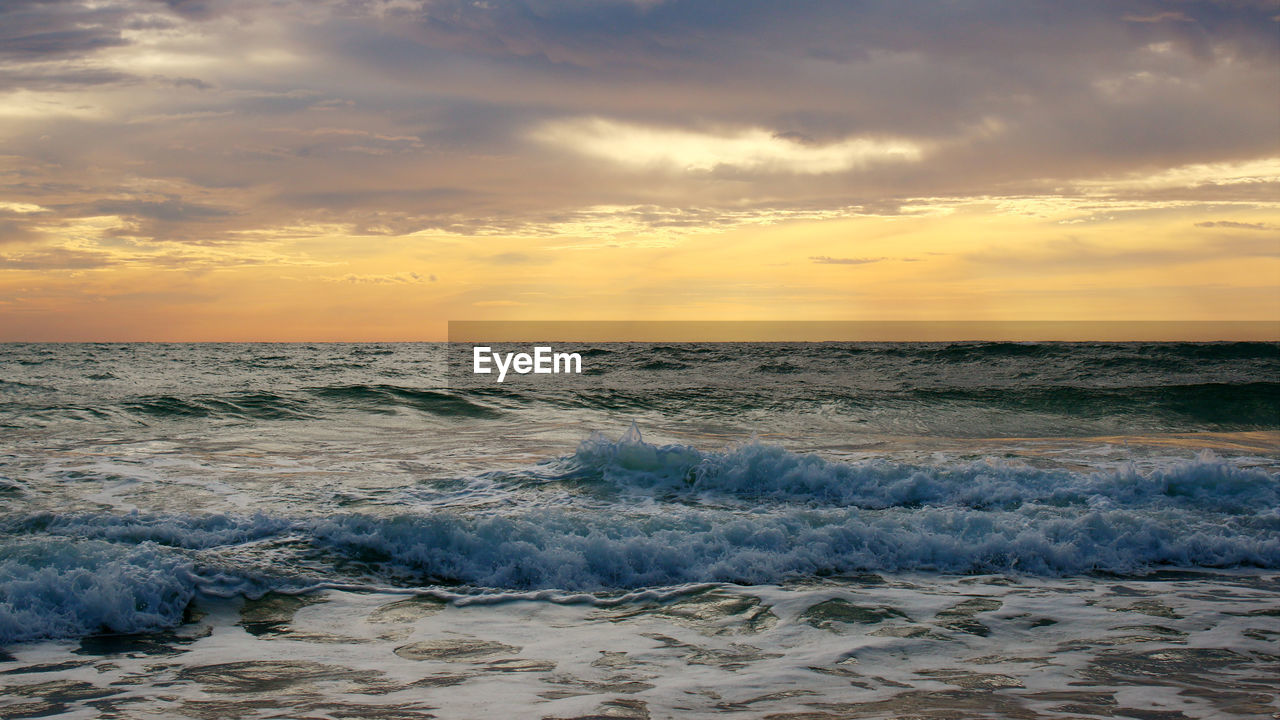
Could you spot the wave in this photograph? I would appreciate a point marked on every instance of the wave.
(254, 406)
(55, 588)
(385, 398)
(1152, 352)
(14, 386)
(758, 472)
(943, 389)
(779, 368)
(558, 549)
(640, 517)
(753, 514)
(107, 573)
(193, 532)
(1250, 405)
(662, 365)
(305, 404)
(1061, 410)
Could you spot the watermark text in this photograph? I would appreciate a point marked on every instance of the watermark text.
(543, 361)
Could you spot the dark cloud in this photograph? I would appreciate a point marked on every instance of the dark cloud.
(712, 35)
(64, 42)
(59, 78)
(424, 200)
(1061, 90)
(392, 118)
(16, 231)
(170, 210)
(190, 82)
(45, 30)
(197, 9)
(56, 44)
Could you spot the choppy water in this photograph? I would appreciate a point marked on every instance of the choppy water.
(843, 530)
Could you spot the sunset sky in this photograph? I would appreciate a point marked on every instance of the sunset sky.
(368, 169)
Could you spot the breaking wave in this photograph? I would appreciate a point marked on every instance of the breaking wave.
(760, 472)
(754, 513)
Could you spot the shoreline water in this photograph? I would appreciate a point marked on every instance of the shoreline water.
(873, 645)
(265, 528)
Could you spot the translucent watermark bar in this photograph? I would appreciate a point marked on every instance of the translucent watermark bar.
(692, 331)
(639, 355)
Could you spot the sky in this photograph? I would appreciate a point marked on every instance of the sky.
(314, 170)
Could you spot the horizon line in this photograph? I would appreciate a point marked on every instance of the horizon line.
(783, 331)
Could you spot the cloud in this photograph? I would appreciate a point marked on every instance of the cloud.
(55, 259)
(826, 260)
(62, 78)
(198, 9)
(36, 30)
(752, 149)
(1257, 171)
(20, 208)
(517, 258)
(1234, 225)
(170, 210)
(1075, 254)
(13, 231)
(419, 199)
(619, 122)
(407, 278)
(190, 82)
(1166, 16)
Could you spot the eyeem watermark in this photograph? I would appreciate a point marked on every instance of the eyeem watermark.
(543, 361)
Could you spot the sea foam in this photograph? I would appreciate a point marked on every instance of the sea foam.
(57, 588)
(754, 513)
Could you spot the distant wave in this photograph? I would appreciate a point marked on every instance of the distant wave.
(1236, 406)
(938, 389)
(661, 365)
(258, 406)
(1152, 353)
(779, 368)
(307, 403)
(388, 397)
(1169, 408)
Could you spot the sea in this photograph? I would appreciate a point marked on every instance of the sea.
(805, 531)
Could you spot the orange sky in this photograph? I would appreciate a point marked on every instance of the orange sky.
(377, 170)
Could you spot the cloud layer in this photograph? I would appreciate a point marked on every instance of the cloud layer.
(184, 134)
(454, 114)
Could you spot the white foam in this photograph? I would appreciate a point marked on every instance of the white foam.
(56, 588)
(708, 656)
(752, 514)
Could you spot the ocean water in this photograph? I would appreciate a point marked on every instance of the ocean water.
(808, 531)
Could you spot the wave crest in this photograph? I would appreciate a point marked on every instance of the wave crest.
(60, 588)
(759, 472)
